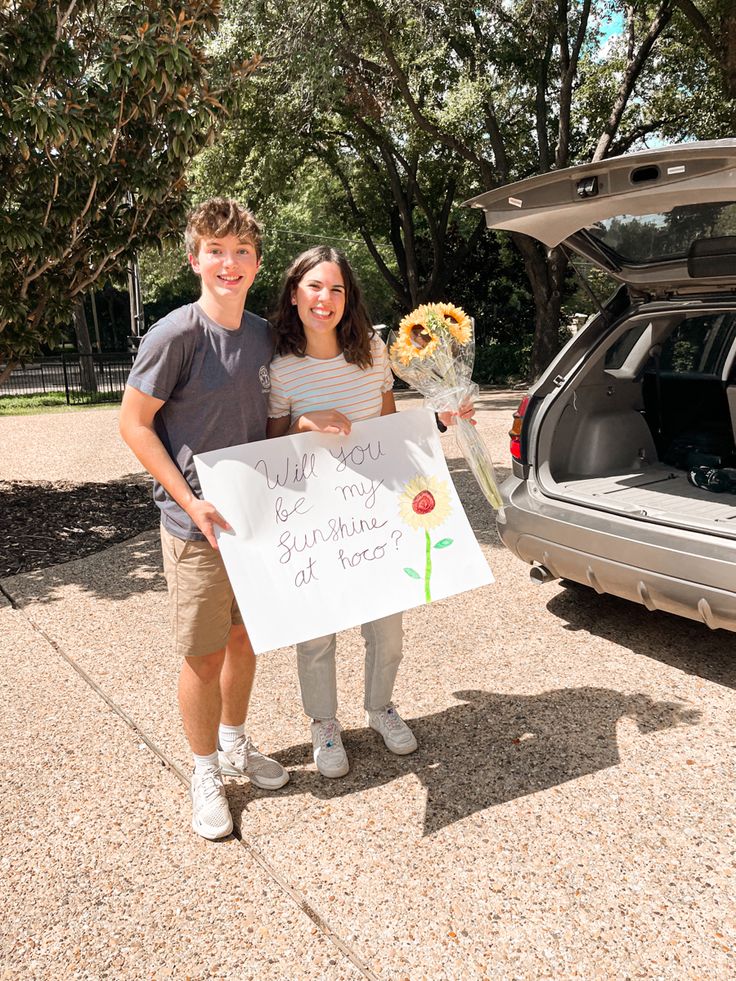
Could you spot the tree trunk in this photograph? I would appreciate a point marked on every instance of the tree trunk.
(730, 58)
(96, 322)
(7, 371)
(546, 330)
(109, 295)
(546, 273)
(86, 362)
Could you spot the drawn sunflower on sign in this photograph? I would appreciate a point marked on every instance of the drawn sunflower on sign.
(424, 504)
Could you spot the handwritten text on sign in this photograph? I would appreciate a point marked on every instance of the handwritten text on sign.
(330, 532)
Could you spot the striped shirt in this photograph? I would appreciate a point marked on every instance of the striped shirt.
(306, 384)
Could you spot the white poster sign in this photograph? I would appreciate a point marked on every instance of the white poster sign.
(329, 532)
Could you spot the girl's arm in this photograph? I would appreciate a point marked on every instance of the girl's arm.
(319, 421)
(466, 411)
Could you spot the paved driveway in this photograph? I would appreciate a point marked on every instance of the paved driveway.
(569, 813)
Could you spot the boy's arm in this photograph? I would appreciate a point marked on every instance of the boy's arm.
(278, 426)
(136, 427)
(388, 404)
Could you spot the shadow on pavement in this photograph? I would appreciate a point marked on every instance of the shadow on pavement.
(480, 514)
(491, 749)
(685, 644)
(136, 569)
(504, 403)
(45, 523)
(490, 400)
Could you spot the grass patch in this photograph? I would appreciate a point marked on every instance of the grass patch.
(21, 405)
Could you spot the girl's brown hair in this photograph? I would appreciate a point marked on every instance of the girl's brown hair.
(355, 329)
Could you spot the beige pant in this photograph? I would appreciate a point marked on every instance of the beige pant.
(203, 607)
(316, 666)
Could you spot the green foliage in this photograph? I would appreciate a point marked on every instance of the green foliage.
(22, 405)
(101, 109)
(689, 96)
(295, 214)
(577, 299)
(502, 362)
(705, 32)
(413, 108)
(317, 101)
(374, 121)
(167, 280)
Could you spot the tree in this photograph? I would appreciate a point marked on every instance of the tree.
(87, 374)
(414, 107)
(296, 214)
(102, 106)
(715, 26)
(396, 188)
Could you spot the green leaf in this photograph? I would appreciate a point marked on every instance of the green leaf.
(412, 573)
(443, 543)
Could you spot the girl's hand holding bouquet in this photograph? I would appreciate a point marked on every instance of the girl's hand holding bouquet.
(433, 351)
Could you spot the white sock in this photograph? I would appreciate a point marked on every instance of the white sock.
(202, 763)
(229, 735)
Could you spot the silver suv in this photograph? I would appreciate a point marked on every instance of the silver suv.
(624, 461)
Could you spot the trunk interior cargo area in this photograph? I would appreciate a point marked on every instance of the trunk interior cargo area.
(647, 426)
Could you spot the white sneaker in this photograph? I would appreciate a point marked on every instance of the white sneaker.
(329, 752)
(245, 760)
(211, 816)
(396, 733)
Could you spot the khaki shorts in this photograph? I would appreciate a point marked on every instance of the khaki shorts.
(203, 607)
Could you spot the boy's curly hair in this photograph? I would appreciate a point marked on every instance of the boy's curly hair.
(355, 329)
(219, 217)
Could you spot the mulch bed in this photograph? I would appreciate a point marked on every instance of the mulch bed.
(43, 524)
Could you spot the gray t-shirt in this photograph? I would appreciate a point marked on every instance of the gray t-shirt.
(215, 384)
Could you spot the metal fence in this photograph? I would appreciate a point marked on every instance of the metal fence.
(84, 379)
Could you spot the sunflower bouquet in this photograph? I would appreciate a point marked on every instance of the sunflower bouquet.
(433, 351)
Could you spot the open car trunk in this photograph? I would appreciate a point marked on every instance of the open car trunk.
(651, 414)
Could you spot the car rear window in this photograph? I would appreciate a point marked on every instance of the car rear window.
(655, 238)
(619, 351)
(699, 345)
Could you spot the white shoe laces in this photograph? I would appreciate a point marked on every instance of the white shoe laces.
(243, 749)
(327, 733)
(391, 716)
(210, 785)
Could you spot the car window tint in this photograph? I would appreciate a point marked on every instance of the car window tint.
(658, 237)
(699, 345)
(619, 351)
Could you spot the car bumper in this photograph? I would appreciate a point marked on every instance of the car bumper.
(635, 560)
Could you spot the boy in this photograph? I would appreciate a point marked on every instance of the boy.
(200, 382)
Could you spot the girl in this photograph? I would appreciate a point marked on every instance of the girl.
(331, 369)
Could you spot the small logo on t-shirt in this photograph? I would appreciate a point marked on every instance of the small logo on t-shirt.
(264, 378)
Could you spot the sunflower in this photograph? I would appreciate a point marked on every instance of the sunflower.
(424, 502)
(415, 338)
(420, 331)
(456, 320)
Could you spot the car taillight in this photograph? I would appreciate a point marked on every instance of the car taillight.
(516, 428)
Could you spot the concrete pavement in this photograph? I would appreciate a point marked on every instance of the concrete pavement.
(569, 813)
